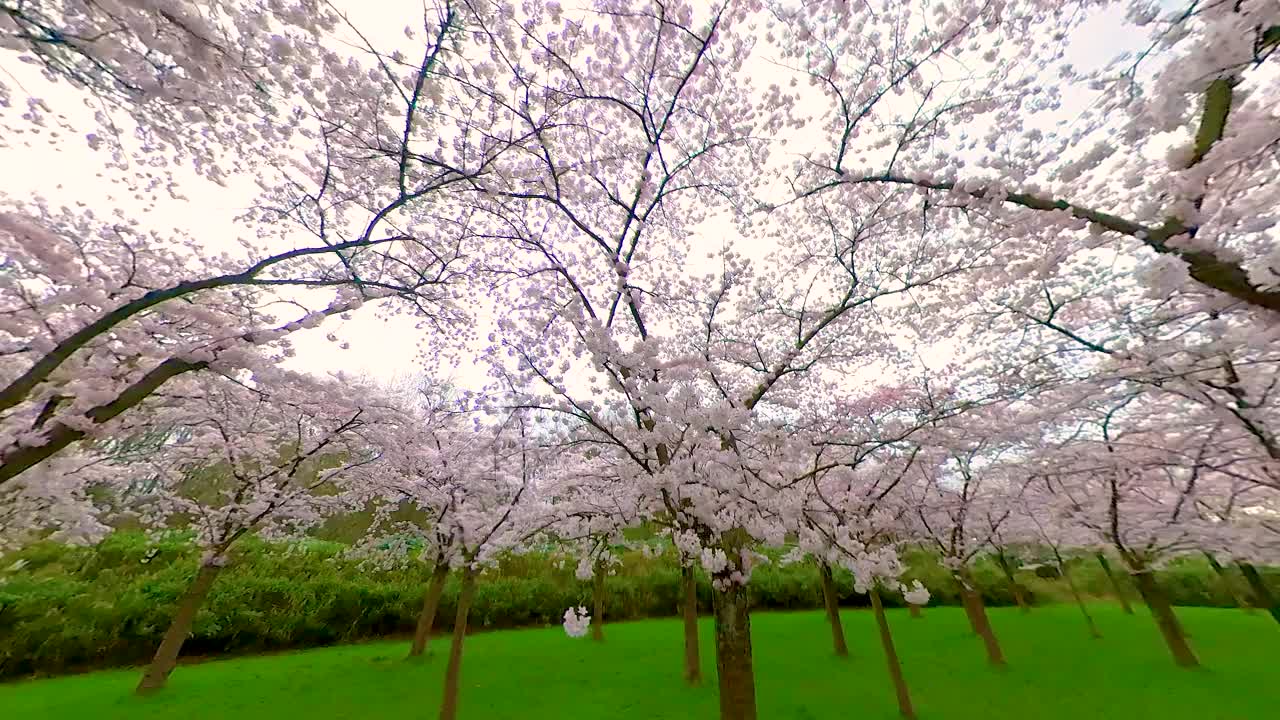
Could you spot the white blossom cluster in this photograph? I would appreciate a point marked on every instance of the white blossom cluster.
(576, 622)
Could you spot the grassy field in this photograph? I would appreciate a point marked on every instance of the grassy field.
(1055, 672)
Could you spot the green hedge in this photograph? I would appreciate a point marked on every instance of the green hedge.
(68, 609)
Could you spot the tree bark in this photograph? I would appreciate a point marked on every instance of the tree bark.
(966, 601)
(1262, 596)
(430, 603)
(995, 655)
(891, 658)
(1075, 593)
(166, 657)
(915, 611)
(971, 613)
(1166, 620)
(1115, 584)
(449, 704)
(733, 653)
(597, 601)
(832, 603)
(689, 609)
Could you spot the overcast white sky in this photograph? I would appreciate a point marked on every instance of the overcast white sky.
(65, 169)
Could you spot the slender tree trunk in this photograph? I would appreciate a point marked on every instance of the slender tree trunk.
(970, 612)
(915, 611)
(995, 655)
(1166, 620)
(1075, 593)
(1018, 596)
(966, 600)
(689, 609)
(430, 603)
(1262, 596)
(891, 657)
(166, 657)
(449, 705)
(733, 653)
(1115, 584)
(597, 602)
(832, 603)
(1240, 598)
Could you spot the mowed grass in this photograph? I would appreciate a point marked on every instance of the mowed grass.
(1055, 671)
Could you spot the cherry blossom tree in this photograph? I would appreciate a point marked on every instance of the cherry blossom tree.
(1160, 279)
(852, 519)
(689, 614)
(196, 79)
(1256, 537)
(53, 503)
(1136, 481)
(846, 501)
(670, 130)
(1098, 330)
(88, 296)
(492, 502)
(588, 527)
(955, 103)
(1043, 517)
(691, 366)
(272, 453)
(423, 475)
(704, 230)
(73, 366)
(1006, 532)
(962, 496)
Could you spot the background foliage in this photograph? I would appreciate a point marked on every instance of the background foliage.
(67, 609)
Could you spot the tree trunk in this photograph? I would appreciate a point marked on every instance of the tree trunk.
(995, 655)
(832, 603)
(966, 601)
(915, 611)
(689, 609)
(1018, 596)
(1166, 620)
(166, 657)
(1115, 584)
(1262, 596)
(1241, 599)
(733, 653)
(982, 623)
(891, 657)
(597, 601)
(427, 617)
(449, 705)
(1075, 593)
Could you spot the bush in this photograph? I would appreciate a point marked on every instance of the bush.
(68, 609)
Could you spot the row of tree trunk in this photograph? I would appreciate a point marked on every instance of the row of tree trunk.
(733, 627)
(1155, 598)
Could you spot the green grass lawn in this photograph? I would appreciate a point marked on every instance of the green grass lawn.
(1055, 671)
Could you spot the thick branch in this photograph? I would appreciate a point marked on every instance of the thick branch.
(21, 458)
(20, 388)
(59, 436)
(1204, 266)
